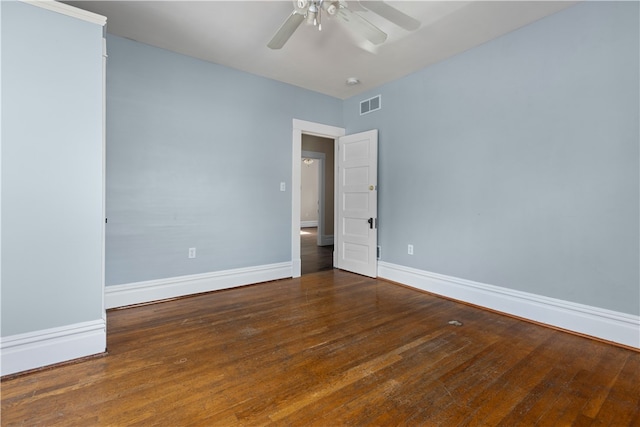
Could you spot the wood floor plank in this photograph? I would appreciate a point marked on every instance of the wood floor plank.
(372, 396)
(564, 385)
(623, 401)
(329, 349)
(604, 379)
(314, 258)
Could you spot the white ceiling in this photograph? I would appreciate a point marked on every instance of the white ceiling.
(236, 33)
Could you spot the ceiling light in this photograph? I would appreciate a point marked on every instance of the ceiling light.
(307, 161)
(352, 81)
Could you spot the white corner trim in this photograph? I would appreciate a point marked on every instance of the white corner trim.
(621, 328)
(304, 224)
(65, 9)
(319, 129)
(155, 290)
(296, 267)
(37, 349)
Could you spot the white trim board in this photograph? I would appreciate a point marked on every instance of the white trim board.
(156, 290)
(597, 322)
(68, 10)
(306, 224)
(46, 347)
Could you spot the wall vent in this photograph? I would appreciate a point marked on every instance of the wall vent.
(371, 104)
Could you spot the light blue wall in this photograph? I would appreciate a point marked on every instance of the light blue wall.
(195, 156)
(516, 163)
(51, 169)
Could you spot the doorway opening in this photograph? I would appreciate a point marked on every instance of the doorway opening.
(355, 197)
(329, 134)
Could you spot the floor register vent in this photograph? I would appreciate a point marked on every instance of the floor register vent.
(371, 104)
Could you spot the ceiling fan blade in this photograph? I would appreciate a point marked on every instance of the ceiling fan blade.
(361, 26)
(286, 30)
(392, 14)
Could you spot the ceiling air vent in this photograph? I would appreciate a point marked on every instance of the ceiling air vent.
(371, 104)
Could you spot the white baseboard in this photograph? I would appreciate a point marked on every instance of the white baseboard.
(326, 240)
(597, 322)
(154, 290)
(296, 268)
(37, 349)
(305, 224)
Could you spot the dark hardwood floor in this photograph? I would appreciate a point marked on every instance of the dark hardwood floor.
(314, 258)
(330, 349)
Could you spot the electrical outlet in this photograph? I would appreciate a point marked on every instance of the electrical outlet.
(192, 252)
(283, 186)
(410, 249)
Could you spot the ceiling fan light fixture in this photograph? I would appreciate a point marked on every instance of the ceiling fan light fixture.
(311, 17)
(311, 12)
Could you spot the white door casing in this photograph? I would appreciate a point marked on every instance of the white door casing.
(310, 128)
(357, 203)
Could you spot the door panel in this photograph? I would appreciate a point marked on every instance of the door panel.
(357, 203)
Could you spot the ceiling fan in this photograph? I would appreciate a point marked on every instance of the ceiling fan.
(311, 11)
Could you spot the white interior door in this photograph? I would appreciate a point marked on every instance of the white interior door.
(357, 211)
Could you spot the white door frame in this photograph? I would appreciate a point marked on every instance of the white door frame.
(308, 128)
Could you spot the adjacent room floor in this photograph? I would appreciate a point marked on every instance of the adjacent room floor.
(314, 258)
